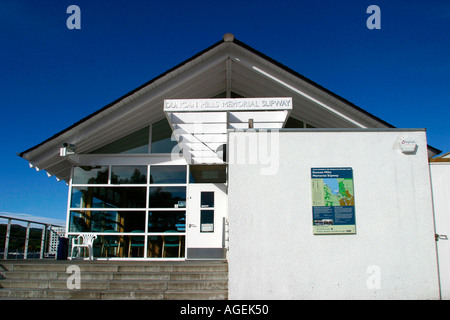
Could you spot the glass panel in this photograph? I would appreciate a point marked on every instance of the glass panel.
(112, 246)
(168, 174)
(136, 142)
(106, 221)
(294, 123)
(162, 221)
(171, 246)
(108, 197)
(90, 175)
(136, 245)
(207, 221)
(129, 174)
(207, 174)
(161, 137)
(207, 199)
(167, 197)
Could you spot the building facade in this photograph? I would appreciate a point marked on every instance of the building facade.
(232, 155)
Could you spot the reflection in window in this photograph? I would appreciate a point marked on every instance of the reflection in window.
(136, 142)
(167, 246)
(207, 199)
(90, 175)
(162, 221)
(168, 174)
(108, 197)
(207, 174)
(106, 221)
(129, 174)
(167, 197)
(161, 137)
(207, 221)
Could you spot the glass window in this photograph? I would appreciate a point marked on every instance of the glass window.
(207, 174)
(90, 175)
(207, 221)
(129, 174)
(136, 142)
(106, 221)
(108, 197)
(167, 197)
(170, 246)
(161, 137)
(168, 174)
(162, 221)
(294, 123)
(207, 199)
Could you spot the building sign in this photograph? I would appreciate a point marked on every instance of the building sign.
(234, 104)
(333, 201)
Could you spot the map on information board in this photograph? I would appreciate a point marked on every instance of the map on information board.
(333, 200)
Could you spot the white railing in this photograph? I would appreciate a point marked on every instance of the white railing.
(44, 248)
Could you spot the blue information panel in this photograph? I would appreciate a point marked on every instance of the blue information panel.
(333, 201)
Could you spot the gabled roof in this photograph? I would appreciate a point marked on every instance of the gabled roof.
(228, 65)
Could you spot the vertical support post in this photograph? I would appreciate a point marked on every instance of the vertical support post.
(8, 231)
(44, 233)
(27, 236)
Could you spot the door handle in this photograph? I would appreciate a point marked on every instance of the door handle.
(191, 225)
(441, 237)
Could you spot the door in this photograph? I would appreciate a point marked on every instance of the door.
(440, 182)
(206, 221)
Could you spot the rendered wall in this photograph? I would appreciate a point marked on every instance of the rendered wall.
(273, 253)
(440, 182)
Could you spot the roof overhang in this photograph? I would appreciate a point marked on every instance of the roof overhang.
(227, 66)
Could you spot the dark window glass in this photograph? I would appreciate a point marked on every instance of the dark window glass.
(108, 197)
(167, 197)
(207, 174)
(207, 199)
(106, 221)
(162, 221)
(207, 221)
(90, 175)
(167, 246)
(161, 137)
(294, 123)
(167, 174)
(129, 174)
(136, 142)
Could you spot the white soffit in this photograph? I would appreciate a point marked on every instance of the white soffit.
(200, 125)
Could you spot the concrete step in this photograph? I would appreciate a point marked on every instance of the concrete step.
(41, 279)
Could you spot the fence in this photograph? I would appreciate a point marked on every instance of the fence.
(20, 242)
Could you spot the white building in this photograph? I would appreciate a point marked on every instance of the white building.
(231, 155)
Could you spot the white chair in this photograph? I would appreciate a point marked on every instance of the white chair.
(87, 241)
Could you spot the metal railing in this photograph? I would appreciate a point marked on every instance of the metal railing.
(45, 249)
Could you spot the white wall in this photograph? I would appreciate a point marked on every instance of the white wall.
(273, 253)
(440, 181)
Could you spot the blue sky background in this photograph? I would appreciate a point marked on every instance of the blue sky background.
(51, 77)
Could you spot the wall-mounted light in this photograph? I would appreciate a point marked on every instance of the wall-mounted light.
(66, 150)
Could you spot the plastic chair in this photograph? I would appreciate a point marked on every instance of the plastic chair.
(171, 241)
(87, 242)
(135, 241)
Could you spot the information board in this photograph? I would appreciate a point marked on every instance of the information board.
(333, 201)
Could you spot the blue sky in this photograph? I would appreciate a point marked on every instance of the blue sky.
(51, 77)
